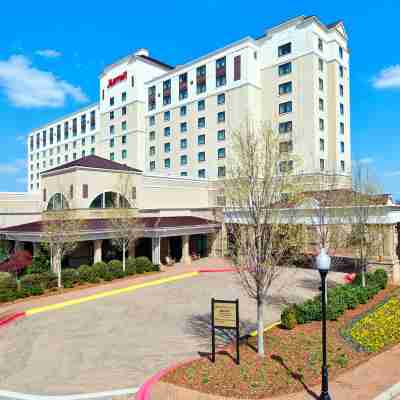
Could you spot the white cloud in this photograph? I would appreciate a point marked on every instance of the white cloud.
(29, 87)
(12, 168)
(366, 160)
(49, 53)
(388, 78)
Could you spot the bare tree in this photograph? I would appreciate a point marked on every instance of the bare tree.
(62, 237)
(258, 180)
(125, 225)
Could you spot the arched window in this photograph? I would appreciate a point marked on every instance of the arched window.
(57, 202)
(110, 200)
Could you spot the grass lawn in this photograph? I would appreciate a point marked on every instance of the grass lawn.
(293, 358)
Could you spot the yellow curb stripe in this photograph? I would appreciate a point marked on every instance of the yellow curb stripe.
(269, 327)
(96, 296)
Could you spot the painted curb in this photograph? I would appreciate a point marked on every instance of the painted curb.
(203, 270)
(390, 393)
(145, 390)
(11, 318)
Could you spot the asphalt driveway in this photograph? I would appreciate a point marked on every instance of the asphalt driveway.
(119, 341)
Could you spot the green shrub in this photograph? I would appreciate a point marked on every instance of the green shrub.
(143, 264)
(156, 268)
(8, 287)
(308, 311)
(69, 277)
(48, 280)
(101, 270)
(380, 278)
(362, 294)
(130, 266)
(40, 263)
(288, 318)
(32, 284)
(87, 273)
(115, 268)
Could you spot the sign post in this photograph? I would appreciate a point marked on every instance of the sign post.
(225, 315)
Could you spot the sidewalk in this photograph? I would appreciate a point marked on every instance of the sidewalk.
(88, 290)
(365, 382)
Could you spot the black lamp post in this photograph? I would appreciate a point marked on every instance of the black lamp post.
(323, 265)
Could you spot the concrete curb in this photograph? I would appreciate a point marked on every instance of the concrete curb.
(390, 393)
(204, 270)
(11, 318)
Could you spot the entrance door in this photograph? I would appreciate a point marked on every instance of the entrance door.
(175, 244)
(198, 245)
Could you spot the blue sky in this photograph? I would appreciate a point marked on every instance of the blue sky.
(51, 55)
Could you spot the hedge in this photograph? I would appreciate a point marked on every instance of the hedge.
(69, 277)
(88, 274)
(116, 269)
(143, 264)
(130, 267)
(340, 299)
(8, 287)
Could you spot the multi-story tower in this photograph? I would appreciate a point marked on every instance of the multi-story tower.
(177, 121)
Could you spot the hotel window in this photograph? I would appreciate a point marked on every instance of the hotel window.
(83, 141)
(342, 165)
(321, 64)
(284, 49)
(321, 144)
(111, 115)
(112, 142)
(58, 160)
(151, 94)
(167, 147)
(285, 88)
(167, 163)
(112, 101)
(321, 104)
(74, 127)
(322, 164)
(201, 139)
(92, 151)
(183, 86)
(184, 173)
(85, 191)
(285, 166)
(58, 133)
(321, 84)
(92, 120)
(201, 79)
(221, 117)
(112, 129)
(152, 135)
(92, 139)
(66, 130)
(221, 99)
(237, 68)
(31, 142)
(201, 105)
(112, 156)
(132, 81)
(71, 191)
(221, 135)
(58, 149)
(152, 120)
(66, 147)
(201, 122)
(183, 126)
(342, 128)
(221, 153)
(123, 96)
(220, 72)
(124, 154)
(183, 143)
(167, 92)
(102, 94)
(152, 165)
(152, 150)
(44, 164)
(167, 131)
(183, 111)
(167, 115)
(123, 139)
(341, 90)
(342, 147)
(184, 159)
(221, 172)
(201, 156)
(341, 106)
(320, 44)
(341, 73)
(123, 125)
(201, 173)
(285, 107)
(321, 124)
(44, 138)
(74, 156)
(123, 110)
(285, 69)
(83, 123)
(340, 51)
(286, 147)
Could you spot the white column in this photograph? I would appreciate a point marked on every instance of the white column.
(155, 250)
(97, 250)
(186, 259)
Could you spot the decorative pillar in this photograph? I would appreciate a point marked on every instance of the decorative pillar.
(155, 250)
(186, 259)
(97, 256)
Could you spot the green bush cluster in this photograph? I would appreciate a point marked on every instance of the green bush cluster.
(340, 299)
(8, 287)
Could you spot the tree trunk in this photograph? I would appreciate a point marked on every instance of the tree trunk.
(260, 328)
(363, 277)
(123, 256)
(57, 264)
